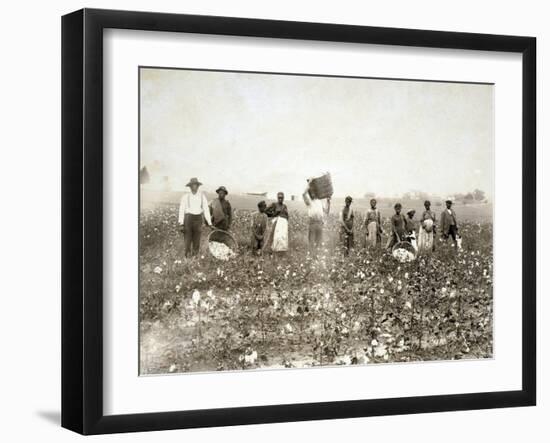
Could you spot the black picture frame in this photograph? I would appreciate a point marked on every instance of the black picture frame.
(82, 220)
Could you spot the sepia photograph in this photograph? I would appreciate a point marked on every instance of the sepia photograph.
(299, 221)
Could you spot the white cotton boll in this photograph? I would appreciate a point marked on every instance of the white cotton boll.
(196, 297)
(403, 256)
(345, 360)
(380, 351)
(251, 358)
(221, 251)
(157, 270)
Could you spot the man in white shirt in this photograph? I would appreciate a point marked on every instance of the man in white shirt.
(317, 210)
(193, 208)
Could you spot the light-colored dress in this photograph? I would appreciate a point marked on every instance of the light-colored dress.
(426, 231)
(280, 234)
(278, 213)
(373, 227)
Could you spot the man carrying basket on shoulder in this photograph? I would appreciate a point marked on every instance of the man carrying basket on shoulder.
(193, 208)
(317, 210)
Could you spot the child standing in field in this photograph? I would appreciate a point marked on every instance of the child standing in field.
(410, 228)
(398, 227)
(259, 226)
(373, 225)
(346, 231)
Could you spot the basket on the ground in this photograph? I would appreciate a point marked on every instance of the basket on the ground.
(321, 187)
(222, 245)
(404, 252)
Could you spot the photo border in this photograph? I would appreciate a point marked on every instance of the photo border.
(82, 220)
(234, 71)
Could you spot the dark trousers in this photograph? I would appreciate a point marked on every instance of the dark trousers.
(192, 236)
(257, 245)
(347, 241)
(392, 241)
(315, 233)
(453, 232)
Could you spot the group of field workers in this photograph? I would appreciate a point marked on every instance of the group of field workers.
(269, 227)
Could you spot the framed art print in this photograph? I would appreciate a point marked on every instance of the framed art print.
(256, 209)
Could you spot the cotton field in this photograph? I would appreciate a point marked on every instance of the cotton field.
(302, 310)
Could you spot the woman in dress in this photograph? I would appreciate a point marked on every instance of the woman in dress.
(426, 233)
(259, 228)
(278, 214)
(373, 225)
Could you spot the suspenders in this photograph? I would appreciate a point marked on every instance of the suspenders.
(189, 201)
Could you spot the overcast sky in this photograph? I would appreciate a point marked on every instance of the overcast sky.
(264, 132)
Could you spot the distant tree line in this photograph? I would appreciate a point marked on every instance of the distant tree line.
(144, 176)
(475, 196)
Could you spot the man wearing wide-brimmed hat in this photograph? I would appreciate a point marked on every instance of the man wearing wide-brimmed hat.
(221, 213)
(449, 224)
(193, 209)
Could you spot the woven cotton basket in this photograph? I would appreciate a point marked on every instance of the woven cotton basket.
(223, 237)
(321, 187)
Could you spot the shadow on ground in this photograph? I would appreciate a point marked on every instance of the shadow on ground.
(54, 417)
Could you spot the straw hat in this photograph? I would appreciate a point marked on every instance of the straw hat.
(194, 181)
(222, 188)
